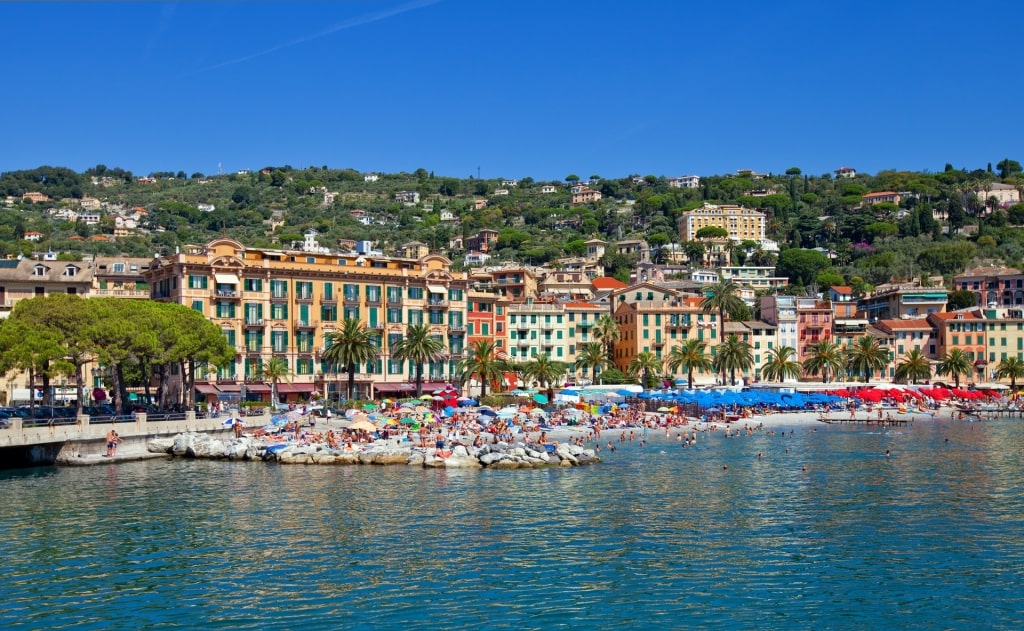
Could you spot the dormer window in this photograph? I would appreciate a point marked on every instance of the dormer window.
(39, 270)
(70, 270)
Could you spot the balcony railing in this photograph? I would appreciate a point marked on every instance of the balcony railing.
(254, 322)
(330, 299)
(304, 297)
(225, 293)
(351, 299)
(373, 300)
(437, 303)
(305, 324)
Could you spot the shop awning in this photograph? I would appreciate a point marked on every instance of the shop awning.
(407, 387)
(207, 388)
(435, 289)
(295, 388)
(226, 279)
(229, 387)
(257, 387)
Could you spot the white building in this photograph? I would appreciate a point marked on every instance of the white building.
(685, 181)
(371, 177)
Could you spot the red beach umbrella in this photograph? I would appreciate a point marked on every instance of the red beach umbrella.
(869, 394)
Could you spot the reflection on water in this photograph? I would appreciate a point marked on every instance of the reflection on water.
(654, 536)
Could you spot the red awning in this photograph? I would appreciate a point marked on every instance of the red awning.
(408, 387)
(229, 387)
(257, 387)
(295, 388)
(207, 388)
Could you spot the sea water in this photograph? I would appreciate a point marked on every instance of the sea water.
(822, 531)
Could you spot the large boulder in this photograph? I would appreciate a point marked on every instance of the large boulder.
(461, 462)
(160, 445)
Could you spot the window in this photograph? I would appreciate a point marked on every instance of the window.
(304, 290)
(484, 329)
(71, 270)
(278, 311)
(415, 316)
(225, 309)
(197, 305)
(279, 341)
(373, 293)
(454, 294)
(197, 282)
(415, 293)
(394, 294)
(394, 315)
(252, 284)
(329, 313)
(278, 289)
(118, 268)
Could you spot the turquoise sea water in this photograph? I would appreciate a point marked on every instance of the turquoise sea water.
(654, 537)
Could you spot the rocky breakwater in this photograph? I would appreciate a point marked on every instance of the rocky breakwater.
(495, 456)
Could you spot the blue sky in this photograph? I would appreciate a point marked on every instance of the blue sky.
(526, 88)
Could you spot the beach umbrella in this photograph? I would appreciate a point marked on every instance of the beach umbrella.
(427, 397)
(540, 398)
(569, 393)
(487, 412)
(362, 425)
(625, 393)
(464, 402)
(369, 406)
(231, 422)
(664, 409)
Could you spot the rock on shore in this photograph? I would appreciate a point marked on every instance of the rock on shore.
(496, 456)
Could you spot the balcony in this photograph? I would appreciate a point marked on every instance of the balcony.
(351, 299)
(220, 294)
(584, 325)
(457, 329)
(394, 301)
(305, 324)
(373, 300)
(252, 349)
(304, 296)
(254, 323)
(437, 303)
(279, 295)
(305, 349)
(379, 326)
(329, 299)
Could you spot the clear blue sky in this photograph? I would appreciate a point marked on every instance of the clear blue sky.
(526, 88)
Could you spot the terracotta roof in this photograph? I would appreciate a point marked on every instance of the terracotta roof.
(607, 282)
(952, 315)
(988, 271)
(906, 324)
(881, 193)
(841, 289)
(579, 304)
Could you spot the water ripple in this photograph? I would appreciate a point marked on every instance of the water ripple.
(821, 531)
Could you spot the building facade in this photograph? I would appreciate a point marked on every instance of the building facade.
(285, 304)
(742, 224)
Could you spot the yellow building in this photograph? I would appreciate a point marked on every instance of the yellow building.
(658, 321)
(275, 303)
(742, 224)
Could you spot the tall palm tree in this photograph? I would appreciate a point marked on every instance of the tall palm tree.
(644, 364)
(348, 348)
(275, 370)
(482, 362)
(824, 358)
(722, 298)
(592, 355)
(1010, 367)
(913, 366)
(607, 331)
(419, 347)
(546, 372)
(866, 356)
(954, 363)
(689, 356)
(731, 355)
(781, 364)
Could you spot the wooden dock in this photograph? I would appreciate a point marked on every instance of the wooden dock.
(840, 420)
(992, 413)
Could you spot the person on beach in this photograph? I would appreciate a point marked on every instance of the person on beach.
(112, 440)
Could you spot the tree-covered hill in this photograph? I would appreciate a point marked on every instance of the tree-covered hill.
(944, 221)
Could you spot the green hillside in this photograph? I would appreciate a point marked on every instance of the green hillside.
(943, 223)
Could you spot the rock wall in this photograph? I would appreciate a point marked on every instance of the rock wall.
(500, 456)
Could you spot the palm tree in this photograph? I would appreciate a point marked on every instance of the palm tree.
(644, 364)
(723, 298)
(913, 366)
(482, 362)
(866, 356)
(689, 356)
(545, 371)
(275, 370)
(419, 347)
(825, 358)
(731, 355)
(607, 331)
(1010, 367)
(592, 355)
(781, 364)
(954, 363)
(348, 348)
